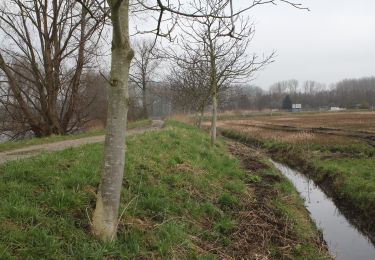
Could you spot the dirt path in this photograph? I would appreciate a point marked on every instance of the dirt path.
(33, 150)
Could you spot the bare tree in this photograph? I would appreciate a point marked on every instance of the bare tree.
(48, 45)
(292, 86)
(312, 87)
(224, 50)
(95, 90)
(242, 97)
(143, 69)
(189, 83)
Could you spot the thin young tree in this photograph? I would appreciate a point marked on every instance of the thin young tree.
(224, 49)
(188, 80)
(144, 64)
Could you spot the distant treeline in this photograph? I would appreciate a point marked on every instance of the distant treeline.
(349, 93)
(163, 100)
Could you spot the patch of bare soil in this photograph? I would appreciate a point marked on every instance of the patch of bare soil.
(320, 128)
(351, 121)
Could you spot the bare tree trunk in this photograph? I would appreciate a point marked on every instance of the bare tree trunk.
(144, 102)
(196, 118)
(214, 118)
(105, 219)
(201, 117)
(214, 86)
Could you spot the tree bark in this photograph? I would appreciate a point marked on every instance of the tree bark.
(214, 86)
(201, 114)
(214, 119)
(105, 219)
(144, 101)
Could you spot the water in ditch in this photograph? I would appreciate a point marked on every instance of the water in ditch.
(344, 241)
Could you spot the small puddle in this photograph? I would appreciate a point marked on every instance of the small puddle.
(344, 241)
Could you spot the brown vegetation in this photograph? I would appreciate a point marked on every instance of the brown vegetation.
(318, 128)
(336, 150)
(259, 226)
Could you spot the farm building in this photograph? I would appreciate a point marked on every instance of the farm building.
(296, 107)
(337, 109)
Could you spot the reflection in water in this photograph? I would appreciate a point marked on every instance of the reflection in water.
(344, 240)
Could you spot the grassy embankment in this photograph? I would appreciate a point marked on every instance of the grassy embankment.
(11, 145)
(180, 200)
(344, 167)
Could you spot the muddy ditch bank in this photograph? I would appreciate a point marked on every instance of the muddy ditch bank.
(362, 220)
(265, 231)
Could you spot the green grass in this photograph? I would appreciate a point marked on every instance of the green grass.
(181, 199)
(11, 145)
(172, 188)
(354, 179)
(139, 123)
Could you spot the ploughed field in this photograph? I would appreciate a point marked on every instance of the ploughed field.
(350, 121)
(336, 150)
(342, 128)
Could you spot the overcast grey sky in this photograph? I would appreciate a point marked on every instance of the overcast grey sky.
(335, 40)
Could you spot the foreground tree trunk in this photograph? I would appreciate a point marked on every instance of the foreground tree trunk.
(105, 219)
